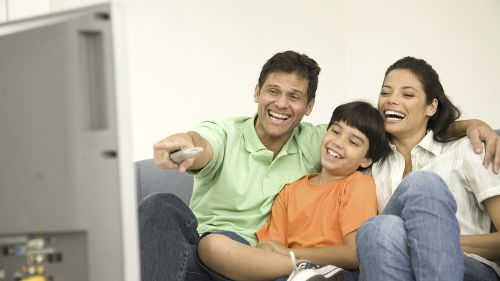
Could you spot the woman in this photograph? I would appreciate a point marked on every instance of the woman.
(433, 225)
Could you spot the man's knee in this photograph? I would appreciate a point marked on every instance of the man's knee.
(164, 209)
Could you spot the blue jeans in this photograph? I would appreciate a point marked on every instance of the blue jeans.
(169, 239)
(417, 237)
(478, 271)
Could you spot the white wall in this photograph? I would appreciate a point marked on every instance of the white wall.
(190, 60)
(461, 39)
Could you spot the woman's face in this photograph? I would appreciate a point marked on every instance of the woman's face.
(402, 104)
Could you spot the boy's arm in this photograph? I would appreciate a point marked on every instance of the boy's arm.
(478, 132)
(343, 255)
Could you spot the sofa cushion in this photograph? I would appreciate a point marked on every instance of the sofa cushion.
(152, 179)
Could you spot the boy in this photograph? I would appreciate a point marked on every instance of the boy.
(316, 217)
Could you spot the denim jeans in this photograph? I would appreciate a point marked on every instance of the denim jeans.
(478, 271)
(169, 239)
(417, 237)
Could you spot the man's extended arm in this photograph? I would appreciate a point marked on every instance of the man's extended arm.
(163, 148)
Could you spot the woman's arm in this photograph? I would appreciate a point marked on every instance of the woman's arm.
(485, 245)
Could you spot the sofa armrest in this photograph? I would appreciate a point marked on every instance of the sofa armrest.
(152, 179)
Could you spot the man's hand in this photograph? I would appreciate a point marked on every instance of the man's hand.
(484, 133)
(168, 145)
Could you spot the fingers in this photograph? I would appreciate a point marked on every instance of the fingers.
(489, 150)
(475, 138)
(163, 148)
(162, 158)
(496, 159)
(492, 152)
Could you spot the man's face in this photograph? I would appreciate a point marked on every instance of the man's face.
(282, 102)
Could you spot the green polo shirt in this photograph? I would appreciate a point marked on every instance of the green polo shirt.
(235, 190)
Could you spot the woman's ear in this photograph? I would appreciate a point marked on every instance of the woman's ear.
(432, 108)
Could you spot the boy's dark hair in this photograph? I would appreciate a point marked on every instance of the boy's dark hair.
(446, 112)
(366, 118)
(293, 62)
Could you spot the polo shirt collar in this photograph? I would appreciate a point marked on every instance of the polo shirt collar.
(253, 143)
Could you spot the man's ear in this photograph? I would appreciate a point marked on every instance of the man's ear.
(367, 161)
(309, 107)
(256, 93)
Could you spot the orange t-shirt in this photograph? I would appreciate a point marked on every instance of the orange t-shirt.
(305, 214)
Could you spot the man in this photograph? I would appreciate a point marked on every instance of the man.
(244, 164)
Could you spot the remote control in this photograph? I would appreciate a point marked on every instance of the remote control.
(182, 155)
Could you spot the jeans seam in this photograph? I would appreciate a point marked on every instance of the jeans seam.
(184, 260)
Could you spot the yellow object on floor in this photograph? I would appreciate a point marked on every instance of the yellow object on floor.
(35, 278)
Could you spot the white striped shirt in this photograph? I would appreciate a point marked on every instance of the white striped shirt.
(462, 170)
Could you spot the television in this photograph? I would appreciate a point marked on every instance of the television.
(68, 208)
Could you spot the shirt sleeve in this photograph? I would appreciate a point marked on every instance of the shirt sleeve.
(480, 180)
(309, 138)
(277, 224)
(358, 203)
(215, 132)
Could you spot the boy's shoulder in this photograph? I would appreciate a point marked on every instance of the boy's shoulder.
(360, 179)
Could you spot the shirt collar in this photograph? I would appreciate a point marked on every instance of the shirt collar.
(427, 143)
(253, 143)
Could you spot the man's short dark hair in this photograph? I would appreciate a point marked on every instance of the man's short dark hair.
(293, 62)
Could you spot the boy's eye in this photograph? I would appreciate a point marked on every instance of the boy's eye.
(355, 143)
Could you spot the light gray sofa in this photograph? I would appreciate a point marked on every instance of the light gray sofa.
(150, 179)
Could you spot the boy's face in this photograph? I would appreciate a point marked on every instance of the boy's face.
(343, 150)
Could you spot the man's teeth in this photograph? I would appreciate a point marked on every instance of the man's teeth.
(333, 153)
(394, 115)
(278, 116)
